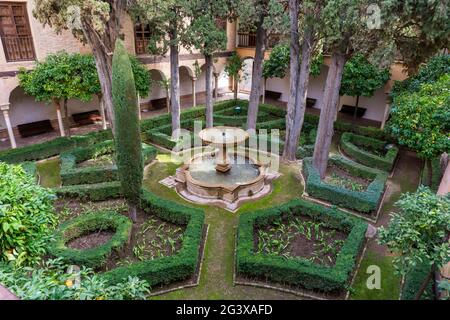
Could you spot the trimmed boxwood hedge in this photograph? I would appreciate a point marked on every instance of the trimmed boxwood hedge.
(435, 176)
(52, 148)
(362, 201)
(91, 192)
(97, 256)
(300, 271)
(168, 269)
(239, 120)
(73, 175)
(163, 270)
(351, 144)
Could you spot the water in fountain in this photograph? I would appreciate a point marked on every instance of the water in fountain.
(203, 169)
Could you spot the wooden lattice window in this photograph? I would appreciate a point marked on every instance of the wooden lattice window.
(15, 32)
(142, 36)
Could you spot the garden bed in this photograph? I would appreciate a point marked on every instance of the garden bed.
(357, 187)
(175, 262)
(325, 275)
(95, 164)
(300, 237)
(368, 151)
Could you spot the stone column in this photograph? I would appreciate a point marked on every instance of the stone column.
(139, 106)
(194, 93)
(216, 86)
(5, 294)
(5, 109)
(103, 113)
(387, 110)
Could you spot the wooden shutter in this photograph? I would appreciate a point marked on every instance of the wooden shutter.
(15, 32)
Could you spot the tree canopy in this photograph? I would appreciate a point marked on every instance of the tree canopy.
(428, 73)
(61, 76)
(362, 78)
(278, 63)
(420, 120)
(418, 232)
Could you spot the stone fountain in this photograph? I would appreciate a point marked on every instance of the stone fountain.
(225, 176)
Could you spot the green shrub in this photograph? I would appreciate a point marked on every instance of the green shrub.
(52, 148)
(180, 266)
(300, 271)
(91, 192)
(362, 201)
(229, 118)
(27, 218)
(93, 257)
(356, 145)
(73, 175)
(51, 281)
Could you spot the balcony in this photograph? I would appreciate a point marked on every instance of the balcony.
(18, 48)
(248, 40)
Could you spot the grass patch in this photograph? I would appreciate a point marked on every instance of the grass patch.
(216, 281)
(49, 173)
(390, 283)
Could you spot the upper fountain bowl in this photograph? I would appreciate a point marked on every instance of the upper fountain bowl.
(223, 135)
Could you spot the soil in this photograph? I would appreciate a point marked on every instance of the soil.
(346, 175)
(148, 241)
(380, 152)
(71, 208)
(301, 246)
(91, 240)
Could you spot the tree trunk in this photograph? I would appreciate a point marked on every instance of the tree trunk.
(174, 82)
(263, 96)
(57, 104)
(102, 49)
(298, 84)
(168, 100)
(261, 35)
(102, 111)
(429, 170)
(66, 117)
(102, 46)
(133, 212)
(328, 113)
(236, 87)
(425, 283)
(356, 108)
(209, 94)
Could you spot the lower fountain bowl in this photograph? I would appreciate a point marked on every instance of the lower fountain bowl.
(246, 178)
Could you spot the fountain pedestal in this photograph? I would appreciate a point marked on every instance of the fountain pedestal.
(223, 163)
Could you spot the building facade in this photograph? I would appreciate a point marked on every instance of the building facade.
(24, 40)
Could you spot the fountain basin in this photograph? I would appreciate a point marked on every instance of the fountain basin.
(245, 178)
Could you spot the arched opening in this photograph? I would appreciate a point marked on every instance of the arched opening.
(186, 86)
(158, 96)
(33, 118)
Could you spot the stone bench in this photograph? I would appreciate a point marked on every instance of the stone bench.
(35, 128)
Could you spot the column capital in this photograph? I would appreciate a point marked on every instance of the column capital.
(216, 74)
(194, 78)
(4, 106)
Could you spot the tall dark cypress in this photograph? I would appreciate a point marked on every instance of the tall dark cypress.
(127, 132)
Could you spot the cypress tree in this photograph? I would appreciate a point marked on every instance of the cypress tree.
(127, 132)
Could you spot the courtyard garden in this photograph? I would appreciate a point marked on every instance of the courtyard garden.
(236, 199)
